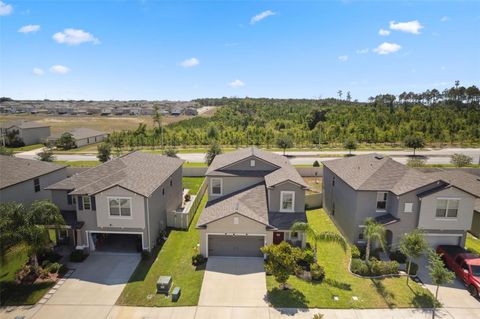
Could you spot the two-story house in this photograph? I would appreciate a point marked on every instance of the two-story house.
(254, 197)
(29, 132)
(441, 202)
(121, 203)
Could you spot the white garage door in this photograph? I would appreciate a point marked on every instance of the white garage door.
(443, 239)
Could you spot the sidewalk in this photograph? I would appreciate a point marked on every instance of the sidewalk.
(120, 312)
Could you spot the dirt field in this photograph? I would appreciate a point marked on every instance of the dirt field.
(102, 123)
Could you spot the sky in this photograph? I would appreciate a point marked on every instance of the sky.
(181, 50)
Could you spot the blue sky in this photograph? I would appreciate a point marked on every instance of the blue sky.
(189, 49)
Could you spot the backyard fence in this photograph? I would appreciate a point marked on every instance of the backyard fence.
(182, 219)
(313, 200)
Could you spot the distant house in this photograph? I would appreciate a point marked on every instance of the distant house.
(134, 111)
(176, 112)
(440, 202)
(106, 111)
(123, 202)
(191, 111)
(24, 180)
(83, 136)
(30, 132)
(147, 111)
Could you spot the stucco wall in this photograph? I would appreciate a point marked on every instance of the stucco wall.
(34, 135)
(232, 184)
(59, 197)
(274, 196)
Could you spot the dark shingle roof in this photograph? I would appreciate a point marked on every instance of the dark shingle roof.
(386, 219)
(460, 179)
(139, 172)
(14, 170)
(250, 202)
(286, 220)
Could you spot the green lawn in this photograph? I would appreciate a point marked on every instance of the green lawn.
(383, 293)
(174, 258)
(473, 243)
(11, 293)
(26, 148)
(79, 163)
(192, 183)
(194, 164)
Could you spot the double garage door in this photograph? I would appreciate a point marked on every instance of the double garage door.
(441, 239)
(237, 246)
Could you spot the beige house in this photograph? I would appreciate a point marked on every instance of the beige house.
(83, 136)
(121, 205)
(28, 131)
(254, 198)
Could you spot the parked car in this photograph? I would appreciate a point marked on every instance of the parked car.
(465, 265)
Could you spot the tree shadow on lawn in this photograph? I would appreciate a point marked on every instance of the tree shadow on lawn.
(388, 296)
(14, 294)
(423, 299)
(144, 265)
(286, 298)
(337, 284)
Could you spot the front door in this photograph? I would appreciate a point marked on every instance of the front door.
(278, 237)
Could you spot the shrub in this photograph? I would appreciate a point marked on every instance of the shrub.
(318, 316)
(413, 269)
(198, 259)
(355, 251)
(398, 256)
(359, 267)
(187, 197)
(77, 256)
(51, 256)
(46, 263)
(145, 255)
(308, 256)
(379, 267)
(53, 268)
(317, 272)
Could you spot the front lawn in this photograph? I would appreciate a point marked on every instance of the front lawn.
(371, 293)
(174, 259)
(79, 163)
(12, 293)
(26, 148)
(192, 183)
(473, 243)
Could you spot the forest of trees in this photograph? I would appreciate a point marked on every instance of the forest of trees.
(448, 117)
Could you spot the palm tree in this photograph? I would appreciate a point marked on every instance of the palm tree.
(373, 233)
(317, 236)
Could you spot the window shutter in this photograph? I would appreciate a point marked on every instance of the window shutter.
(69, 199)
(92, 201)
(80, 203)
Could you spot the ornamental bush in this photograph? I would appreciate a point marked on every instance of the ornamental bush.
(398, 256)
(359, 267)
(317, 272)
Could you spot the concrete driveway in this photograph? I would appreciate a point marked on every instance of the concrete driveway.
(234, 281)
(99, 280)
(454, 295)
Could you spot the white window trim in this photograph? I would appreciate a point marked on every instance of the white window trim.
(221, 186)
(252, 163)
(89, 203)
(361, 241)
(405, 208)
(282, 193)
(448, 199)
(376, 202)
(119, 216)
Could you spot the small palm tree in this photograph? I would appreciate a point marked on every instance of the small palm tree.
(373, 233)
(317, 236)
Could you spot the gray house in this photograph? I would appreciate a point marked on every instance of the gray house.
(121, 204)
(83, 136)
(30, 132)
(254, 197)
(441, 203)
(23, 180)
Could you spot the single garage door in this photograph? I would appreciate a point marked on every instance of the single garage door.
(436, 240)
(241, 246)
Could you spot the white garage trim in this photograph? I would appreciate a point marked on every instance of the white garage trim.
(232, 235)
(88, 234)
(436, 234)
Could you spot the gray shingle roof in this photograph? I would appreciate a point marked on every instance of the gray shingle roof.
(462, 180)
(284, 172)
(286, 220)
(80, 133)
(14, 170)
(139, 172)
(22, 124)
(250, 202)
(373, 172)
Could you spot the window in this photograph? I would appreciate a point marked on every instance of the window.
(235, 221)
(382, 201)
(287, 201)
(333, 181)
(120, 206)
(36, 185)
(447, 208)
(408, 208)
(216, 186)
(361, 237)
(252, 163)
(163, 191)
(87, 204)
(171, 182)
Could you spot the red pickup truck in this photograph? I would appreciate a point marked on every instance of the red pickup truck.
(464, 264)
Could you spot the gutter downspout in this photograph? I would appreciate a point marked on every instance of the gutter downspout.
(148, 223)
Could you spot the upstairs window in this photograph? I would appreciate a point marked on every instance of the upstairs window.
(382, 201)
(287, 201)
(120, 206)
(87, 204)
(36, 185)
(447, 208)
(216, 186)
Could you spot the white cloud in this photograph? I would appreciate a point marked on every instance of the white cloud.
(59, 69)
(343, 58)
(74, 37)
(362, 51)
(189, 63)
(261, 16)
(387, 48)
(5, 9)
(29, 28)
(236, 84)
(445, 19)
(37, 71)
(409, 27)
(383, 32)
